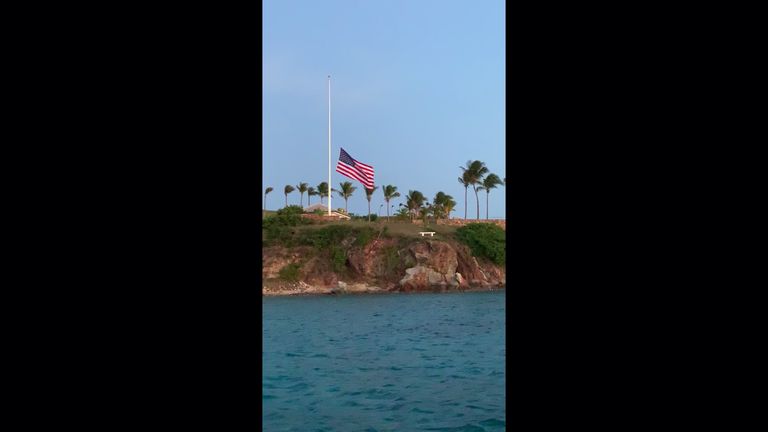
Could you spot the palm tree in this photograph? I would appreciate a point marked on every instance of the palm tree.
(322, 190)
(390, 192)
(269, 189)
(425, 212)
(489, 183)
(476, 170)
(368, 194)
(288, 189)
(442, 204)
(346, 191)
(448, 207)
(465, 181)
(414, 200)
(310, 192)
(302, 187)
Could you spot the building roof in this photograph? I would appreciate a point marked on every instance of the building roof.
(324, 208)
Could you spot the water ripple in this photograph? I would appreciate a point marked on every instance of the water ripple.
(384, 363)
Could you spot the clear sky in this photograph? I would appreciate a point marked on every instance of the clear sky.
(417, 89)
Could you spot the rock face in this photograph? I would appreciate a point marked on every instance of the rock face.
(420, 265)
(442, 265)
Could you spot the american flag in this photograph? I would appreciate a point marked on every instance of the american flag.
(354, 169)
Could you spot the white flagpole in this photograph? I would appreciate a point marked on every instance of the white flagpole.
(329, 146)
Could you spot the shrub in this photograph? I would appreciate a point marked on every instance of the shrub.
(326, 236)
(363, 236)
(338, 259)
(391, 259)
(363, 218)
(290, 272)
(484, 240)
(279, 228)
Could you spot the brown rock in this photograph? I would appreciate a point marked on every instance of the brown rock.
(435, 254)
(416, 278)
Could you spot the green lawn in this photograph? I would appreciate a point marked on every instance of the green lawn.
(396, 228)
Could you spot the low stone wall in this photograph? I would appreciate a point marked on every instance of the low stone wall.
(461, 222)
(323, 217)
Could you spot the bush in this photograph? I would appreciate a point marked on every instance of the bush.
(290, 272)
(363, 218)
(326, 236)
(279, 228)
(363, 236)
(338, 259)
(391, 260)
(484, 240)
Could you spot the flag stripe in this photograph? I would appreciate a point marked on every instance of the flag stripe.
(351, 176)
(354, 175)
(362, 165)
(355, 169)
(364, 169)
(346, 169)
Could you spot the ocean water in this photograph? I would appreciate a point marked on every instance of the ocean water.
(392, 362)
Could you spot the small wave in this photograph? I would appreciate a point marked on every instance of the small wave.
(493, 422)
(479, 408)
(469, 427)
(417, 410)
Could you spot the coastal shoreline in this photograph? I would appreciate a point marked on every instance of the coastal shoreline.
(302, 289)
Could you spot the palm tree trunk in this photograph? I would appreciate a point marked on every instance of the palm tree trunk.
(477, 200)
(369, 211)
(346, 210)
(265, 202)
(286, 200)
(387, 201)
(308, 197)
(465, 202)
(487, 195)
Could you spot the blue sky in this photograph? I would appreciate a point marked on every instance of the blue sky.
(417, 89)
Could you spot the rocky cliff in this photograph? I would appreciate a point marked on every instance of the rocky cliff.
(383, 265)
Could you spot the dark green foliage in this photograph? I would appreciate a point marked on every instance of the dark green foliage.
(363, 236)
(290, 211)
(290, 272)
(338, 259)
(336, 234)
(391, 259)
(326, 236)
(329, 241)
(485, 240)
(363, 218)
(402, 214)
(276, 234)
(403, 242)
(279, 228)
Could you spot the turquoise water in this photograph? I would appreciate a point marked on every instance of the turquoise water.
(393, 362)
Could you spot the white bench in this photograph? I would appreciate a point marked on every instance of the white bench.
(431, 233)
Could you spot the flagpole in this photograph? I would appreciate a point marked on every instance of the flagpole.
(329, 146)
